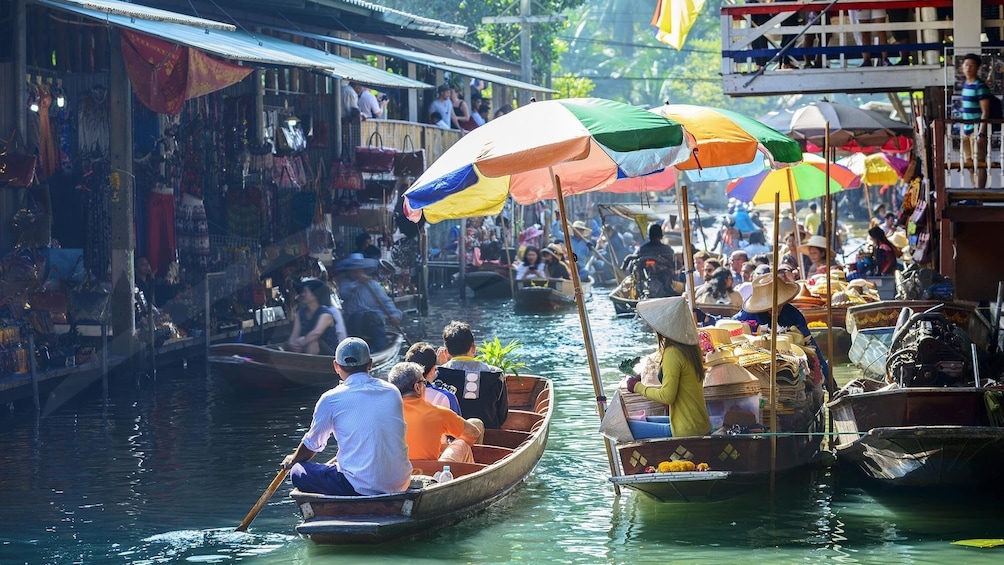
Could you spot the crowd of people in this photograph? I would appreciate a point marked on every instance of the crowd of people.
(420, 413)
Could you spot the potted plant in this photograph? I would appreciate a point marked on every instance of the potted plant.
(502, 356)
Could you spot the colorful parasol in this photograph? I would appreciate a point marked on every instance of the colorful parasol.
(876, 169)
(588, 142)
(800, 182)
(729, 145)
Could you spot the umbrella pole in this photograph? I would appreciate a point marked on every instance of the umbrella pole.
(829, 303)
(774, 312)
(700, 228)
(794, 215)
(688, 258)
(580, 304)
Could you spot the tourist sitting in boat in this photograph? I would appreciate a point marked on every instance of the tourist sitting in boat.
(481, 387)
(757, 244)
(757, 310)
(682, 367)
(372, 459)
(365, 303)
(428, 423)
(815, 249)
(437, 392)
(318, 326)
(554, 263)
(531, 266)
(718, 289)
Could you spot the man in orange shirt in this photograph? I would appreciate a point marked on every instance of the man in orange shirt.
(428, 423)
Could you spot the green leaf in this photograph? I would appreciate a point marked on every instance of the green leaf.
(982, 543)
(501, 356)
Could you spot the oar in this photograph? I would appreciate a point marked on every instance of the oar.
(279, 477)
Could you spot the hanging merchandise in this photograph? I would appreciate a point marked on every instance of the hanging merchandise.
(320, 239)
(409, 162)
(289, 137)
(374, 157)
(17, 170)
(93, 129)
(32, 222)
(192, 234)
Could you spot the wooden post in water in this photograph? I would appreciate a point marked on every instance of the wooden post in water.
(829, 303)
(580, 304)
(774, 312)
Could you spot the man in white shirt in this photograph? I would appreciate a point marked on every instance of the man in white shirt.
(350, 102)
(369, 108)
(366, 416)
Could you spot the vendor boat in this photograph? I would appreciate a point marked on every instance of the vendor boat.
(502, 462)
(872, 326)
(736, 458)
(546, 295)
(934, 422)
(489, 281)
(270, 368)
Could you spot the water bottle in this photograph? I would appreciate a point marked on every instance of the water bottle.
(446, 476)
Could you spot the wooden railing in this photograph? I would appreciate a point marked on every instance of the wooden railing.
(433, 139)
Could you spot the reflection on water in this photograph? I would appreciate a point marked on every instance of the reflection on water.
(166, 469)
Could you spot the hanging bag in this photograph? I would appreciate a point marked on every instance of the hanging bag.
(17, 170)
(290, 137)
(344, 174)
(31, 223)
(88, 304)
(409, 162)
(374, 157)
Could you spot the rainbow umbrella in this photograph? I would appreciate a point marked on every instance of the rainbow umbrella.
(729, 145)
(800, 182)
(876, 169)
(587, 142)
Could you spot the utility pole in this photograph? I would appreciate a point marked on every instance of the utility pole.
(525, 21)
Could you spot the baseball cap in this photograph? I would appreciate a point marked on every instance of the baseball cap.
(762, 270)
(352, 352)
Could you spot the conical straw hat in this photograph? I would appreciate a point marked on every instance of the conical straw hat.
(760, 300)
(671, 317)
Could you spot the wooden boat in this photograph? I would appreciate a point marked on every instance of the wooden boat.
(625, 300)
(739, 462)
(920, 436)
(505, 458)
(872, 326)
(268, 367)
(546, 295)
(489, 281)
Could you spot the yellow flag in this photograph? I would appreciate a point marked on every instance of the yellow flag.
(674, 18)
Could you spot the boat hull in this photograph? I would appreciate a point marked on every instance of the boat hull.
(738, 463)
(556, 294)
(267, 368)
(509, 455)
(920, 437)
(489, 284)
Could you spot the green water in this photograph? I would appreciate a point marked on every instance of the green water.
(164, 470)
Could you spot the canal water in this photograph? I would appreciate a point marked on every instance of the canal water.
(164, 468)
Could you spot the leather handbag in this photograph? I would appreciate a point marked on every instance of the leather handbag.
(51, 300)
(31, 223)
(409, 162)
(88, 304)
(345, 176)
(17, 171)
(289, 138)
(374, 157)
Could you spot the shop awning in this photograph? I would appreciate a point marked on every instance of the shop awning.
(241, 46)
(146, 13)
(456, 66)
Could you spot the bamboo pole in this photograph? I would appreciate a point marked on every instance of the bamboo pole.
(829, 303)
(774, 313)
(700, 228)
(688, 258)
(580, 304)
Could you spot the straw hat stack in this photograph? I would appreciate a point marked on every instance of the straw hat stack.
(725, 379)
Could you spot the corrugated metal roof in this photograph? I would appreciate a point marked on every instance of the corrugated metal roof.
(407, 55)
(409, 21)
(146, 12)
(456, 66)
(240, 46)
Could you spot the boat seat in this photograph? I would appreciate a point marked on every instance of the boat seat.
(431, 466)
(505, 438)
(488, 454)
(522, 420)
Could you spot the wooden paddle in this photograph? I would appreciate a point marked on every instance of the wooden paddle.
(279, 478)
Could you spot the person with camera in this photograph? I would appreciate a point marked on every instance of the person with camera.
(369, 107)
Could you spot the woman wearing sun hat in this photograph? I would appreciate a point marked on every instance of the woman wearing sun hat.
(815, 249)
(682, 366)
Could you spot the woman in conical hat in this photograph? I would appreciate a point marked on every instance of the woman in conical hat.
(682, 366)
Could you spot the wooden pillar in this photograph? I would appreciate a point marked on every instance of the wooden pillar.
(20, 67)
(413, 101)
(123, 241)
(968, 24)
(258, 77)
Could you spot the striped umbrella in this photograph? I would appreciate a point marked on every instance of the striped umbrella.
(588, 142)
(804, 181)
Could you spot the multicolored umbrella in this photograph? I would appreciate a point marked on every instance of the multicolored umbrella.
(800, 182)
(728, 144)
(876, 169)
(588, 142)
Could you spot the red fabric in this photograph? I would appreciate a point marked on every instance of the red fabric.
(165, 74)
(898, 144)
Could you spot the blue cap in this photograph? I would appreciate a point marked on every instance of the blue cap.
(352, 352)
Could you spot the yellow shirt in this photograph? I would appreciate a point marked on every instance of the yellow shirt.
(683, 391)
